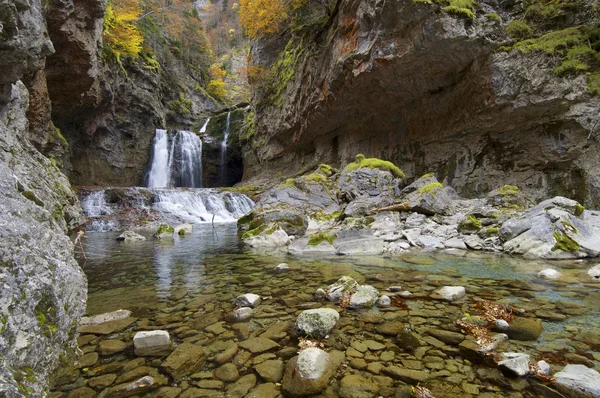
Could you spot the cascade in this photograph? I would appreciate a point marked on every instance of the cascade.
(203, 129)
(223, 173)
(172, 206)
(176, 160)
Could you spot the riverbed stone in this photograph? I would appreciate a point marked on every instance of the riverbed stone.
(594, 272)
(109, 327)
(185, 360)
(103, 381)
(242, 314)
(88, 360)
(308, 373)
(145, 384)
(317, 322)
(271, 370)
(130, 236)
(248, 300)
(152, 343)
(524, 329)
(514, 363)
(451, 293)
(336, 290)
(356, 386)
(227, 372)
(226, 355)
(264, 390)
(110, 347)
(549, 273)
(241, 387)
(409, 376)
(450, 338)
(580, 377)
(257, 345)
(364, 297)
(186, 228)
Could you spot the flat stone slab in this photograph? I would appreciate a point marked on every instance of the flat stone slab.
(185, 360)
(109, 327)
(580, 377)
(256, 345)
(102, 318)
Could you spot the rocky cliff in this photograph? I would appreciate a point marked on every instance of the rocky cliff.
(108, 111)
(436, 87)
(43, 289)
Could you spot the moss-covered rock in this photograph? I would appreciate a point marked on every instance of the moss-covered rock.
(374, 163)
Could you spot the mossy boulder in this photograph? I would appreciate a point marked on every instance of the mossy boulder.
(164, 231)
(509, 198)
(426, 196)
(470, 224)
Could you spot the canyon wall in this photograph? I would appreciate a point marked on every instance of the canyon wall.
(432, 91)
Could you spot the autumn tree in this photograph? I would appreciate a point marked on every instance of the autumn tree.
(262, 16)
(121, 35)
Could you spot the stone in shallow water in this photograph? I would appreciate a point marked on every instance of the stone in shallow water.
(451, 293)
(226, 355)
(365, 297)
(266, 390)
(109, 347)
(101, 318)
(242, 314)
(317, 322)
(524, 329)
(271, 370)
(594, 272)
(282, 267)
(227, 372)
(308, 373)
(130, 236)
(248, 300)
(406, 375)
(544, 367)
(241, 387)
(155, 342)
(146, 383)
(336, 290)
(186, 228)
(109, 327)
(549, 273)
(355, 386)
(514, 363)
(580, 377)
(256, 345)
(384, 301)
(185, 360)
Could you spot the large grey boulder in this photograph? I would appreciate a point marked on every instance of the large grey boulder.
(580, 378)
(317, 322)
(366, 189)
(557, 228)
(358, 242)
(427, 196)
(515, 363)
(364, 297)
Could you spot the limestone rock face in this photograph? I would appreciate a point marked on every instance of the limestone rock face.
(428, 91)
(43, 290)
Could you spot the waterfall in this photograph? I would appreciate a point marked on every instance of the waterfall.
(203, 129)
(223, 174)
(173, 206)
(177, 160)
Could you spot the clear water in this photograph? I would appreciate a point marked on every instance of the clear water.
(159, 279)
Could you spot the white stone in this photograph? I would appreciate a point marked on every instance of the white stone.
(384, 301)
(276, 238)
(321, 293)
(549, 273)
(455, 243)
(317, 322)
(187, 228)
(243, 313)
(594, 272)
(248, 300)
(516, 363)
(130, 236)
(497, 339)
(101, 318)
(501, 325)
(452, 293)
(154, 342)
(405, 293)
(312, 363)
(282, 267)
(544, 367)
(364, 297)
(580, 377)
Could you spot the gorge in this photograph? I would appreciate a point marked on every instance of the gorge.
(354, 198)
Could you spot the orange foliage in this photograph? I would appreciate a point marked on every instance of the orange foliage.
(259, 17)
(121, 35)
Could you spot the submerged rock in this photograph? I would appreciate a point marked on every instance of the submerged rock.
(549, 273)
(336, 290)
(164, 231)
(364, 297)
(184, 229)
(317, 323)
(243, 313)
(152, 343)
(248, 300)
(515, 364)
(451, 293)
(185, 360)
(594, 272)
(130, 236)
(308, 373)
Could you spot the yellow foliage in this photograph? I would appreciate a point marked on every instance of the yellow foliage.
(121, 35)
(216, 72)
(216, 88)
(259, 17)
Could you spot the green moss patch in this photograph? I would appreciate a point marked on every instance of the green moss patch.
(518, 30)
(579, 209)
(164, 228)
(317, 238)
(374, 163)
(327, 170)
(430, 188)
(564, 242)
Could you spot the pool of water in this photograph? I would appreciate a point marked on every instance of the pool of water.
(188, 286)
